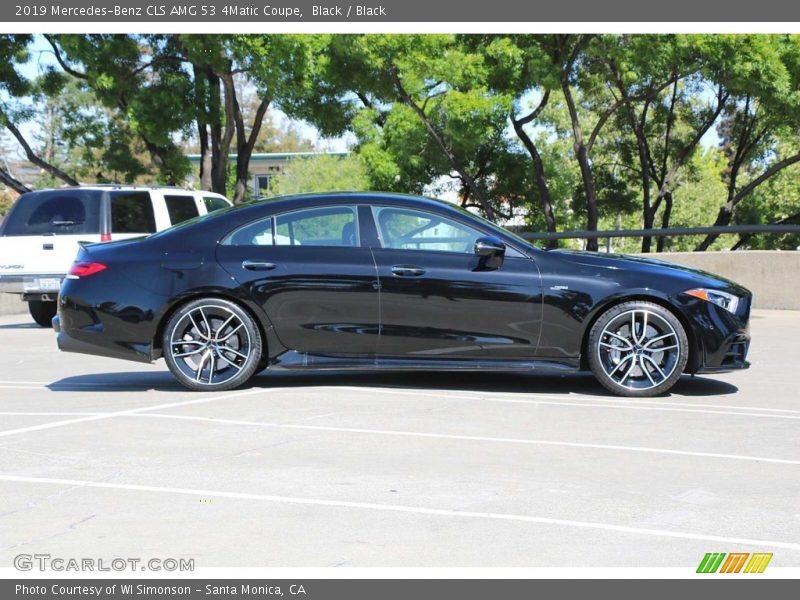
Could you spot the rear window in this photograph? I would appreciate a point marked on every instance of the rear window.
(132, 212)
(213, 203)
(181, 208)
(55, 212)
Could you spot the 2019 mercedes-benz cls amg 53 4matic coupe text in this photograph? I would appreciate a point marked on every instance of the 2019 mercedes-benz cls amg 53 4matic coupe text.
(381, 281)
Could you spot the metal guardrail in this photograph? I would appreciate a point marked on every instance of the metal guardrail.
(618, 233)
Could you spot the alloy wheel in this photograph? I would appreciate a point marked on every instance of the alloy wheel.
(210, 345)
(638, 349)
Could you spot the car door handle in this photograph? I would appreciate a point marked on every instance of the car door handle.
(257, 265)
(407, 271)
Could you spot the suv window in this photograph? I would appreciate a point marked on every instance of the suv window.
(132, 212)
(325, 226)
(213, 203)
(180, 208)
(57, 212)
(408, 229)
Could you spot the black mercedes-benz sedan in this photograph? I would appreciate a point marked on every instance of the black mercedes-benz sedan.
(384, 281)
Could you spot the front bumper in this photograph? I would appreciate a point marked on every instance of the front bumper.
(722, 339)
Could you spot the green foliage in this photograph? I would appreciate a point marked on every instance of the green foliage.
(322, 173)
(430, 113)
(6, 200)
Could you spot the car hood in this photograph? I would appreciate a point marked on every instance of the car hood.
(652, 266)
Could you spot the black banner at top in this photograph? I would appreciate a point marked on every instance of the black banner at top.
(393, 11)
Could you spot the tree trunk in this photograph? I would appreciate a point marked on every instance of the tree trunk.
(15, 184)
(200, 93)
(36, 160)
(582, 155)
(545, 200)
(244, 146)
(723, 218)
(726, 211)
(743, 239)
(220, 137)
(591, 195)
(665, 217)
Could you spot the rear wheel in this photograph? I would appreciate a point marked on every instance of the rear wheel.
(637, 349)
(43, 312)
(212, 344)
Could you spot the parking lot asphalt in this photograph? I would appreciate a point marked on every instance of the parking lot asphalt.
(103, 458)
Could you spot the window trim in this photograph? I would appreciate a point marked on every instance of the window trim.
(274, 227)
(458, 218)
(374, 207)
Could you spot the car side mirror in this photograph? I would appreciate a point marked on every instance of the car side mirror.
(491, 250)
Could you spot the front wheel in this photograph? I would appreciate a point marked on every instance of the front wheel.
(43, 312)
(637, 349)
(212, 344)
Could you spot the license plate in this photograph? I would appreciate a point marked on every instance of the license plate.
(43, 284)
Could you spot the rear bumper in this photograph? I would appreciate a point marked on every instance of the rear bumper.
(25, 284)
(67, 343)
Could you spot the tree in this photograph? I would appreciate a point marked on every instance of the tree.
(420, 108)
(321, 173)
(13, 52)
(141, 79)
(668, 122)
(763, 76)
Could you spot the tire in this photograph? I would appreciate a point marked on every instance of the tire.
(43, 312)
(637, 349)
(211, 344)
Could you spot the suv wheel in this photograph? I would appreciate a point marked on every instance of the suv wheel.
(212, 344)
(43, 312)
(637, 349)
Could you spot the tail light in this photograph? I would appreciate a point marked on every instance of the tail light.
(105, 237)
(84, 269)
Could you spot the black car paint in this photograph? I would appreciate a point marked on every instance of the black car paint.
(343, 307)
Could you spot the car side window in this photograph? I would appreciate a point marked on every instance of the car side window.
(180, 208)
(324, 226)
(214, 203)
(409, 229)
(132, 212)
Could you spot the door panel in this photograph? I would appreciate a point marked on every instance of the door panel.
(320, 298)
(443, 305)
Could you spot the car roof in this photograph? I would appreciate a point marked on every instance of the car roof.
(312, 198)
(124, 186)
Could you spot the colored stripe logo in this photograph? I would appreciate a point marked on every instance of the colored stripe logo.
(734, 562)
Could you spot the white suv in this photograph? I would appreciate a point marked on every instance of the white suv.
(39, 236)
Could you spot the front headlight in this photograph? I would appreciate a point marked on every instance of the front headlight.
(722, 299)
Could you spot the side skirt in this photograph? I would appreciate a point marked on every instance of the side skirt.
(299, 361)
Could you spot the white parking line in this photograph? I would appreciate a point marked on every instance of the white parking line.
(559, 402)
(122, 413)
(545, 400)
(48, 414)
(473, 438)
(419, 510)
(463, 394)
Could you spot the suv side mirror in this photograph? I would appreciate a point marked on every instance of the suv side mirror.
(491, 250)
